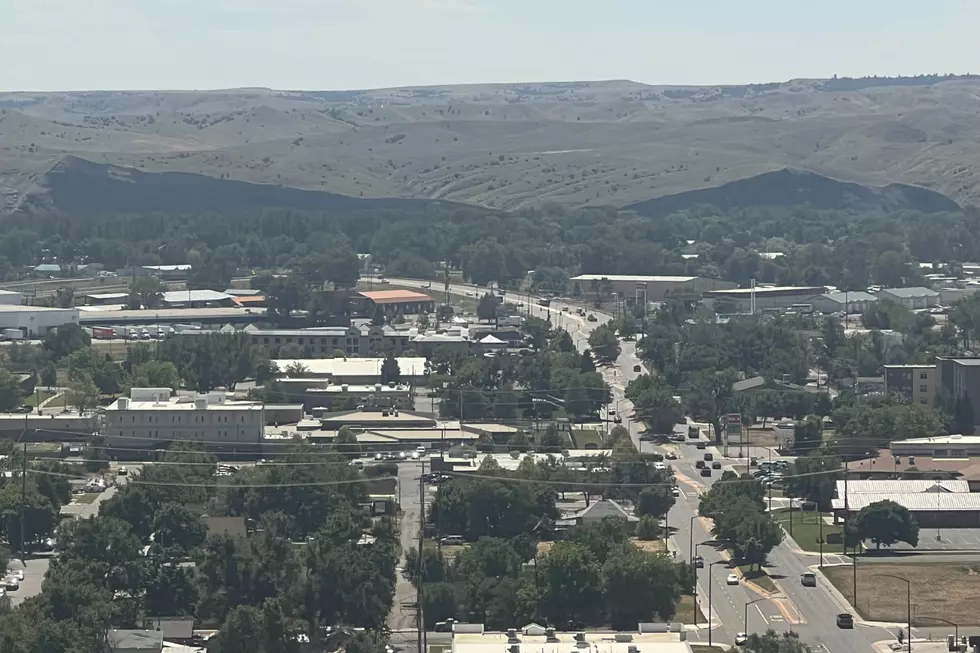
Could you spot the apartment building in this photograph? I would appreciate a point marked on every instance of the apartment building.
(151, 418)
(920, 383)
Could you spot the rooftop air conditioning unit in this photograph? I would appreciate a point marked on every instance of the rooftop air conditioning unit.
(512, 636)
(549, 634)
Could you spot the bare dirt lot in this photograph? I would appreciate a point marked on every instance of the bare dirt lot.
(950, 591)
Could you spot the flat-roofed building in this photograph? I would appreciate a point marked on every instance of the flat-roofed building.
(959, 379)
(35, 321)
(843, 302)
(105, 298)
(196, 299)
(405, 302)
(953, 446)
(355, 371)
(150, 418)
(933, 503)
(648, 638)
(767, 297)
(11, 298)
(657, 287)
(918, 383)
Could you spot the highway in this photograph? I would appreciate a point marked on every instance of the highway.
(810, 611)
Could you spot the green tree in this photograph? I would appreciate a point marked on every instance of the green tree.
(654, 403)
(654, 502)
(755, 535)
(177, 530)
(773, 642)
(390, 372)
(565, 586)
(807, 435)
(486, 309)
(65, 339)
(10, 392)
(83, 394)
(604, 343)
(40, 514)
(640, 586)
(710, 397)
(886, 522)
(810, 478)
(49, 375)
(145, 292)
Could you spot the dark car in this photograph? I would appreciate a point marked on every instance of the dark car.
(699, 562)
(699, 464)
(845, 620)
(706, 471)
(702, 445)
(709, 457)
(716, 465)
(445, 626)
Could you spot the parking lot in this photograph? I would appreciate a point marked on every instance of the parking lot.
(944, 539)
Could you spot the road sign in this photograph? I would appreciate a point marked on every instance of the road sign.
(733, 428)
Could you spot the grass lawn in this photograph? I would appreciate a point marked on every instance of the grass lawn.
(704, 648)
(950, 591)
(806, 531)
(685, 611)
(585, 437)
(37, 397)
(58, 402)
(760, 578)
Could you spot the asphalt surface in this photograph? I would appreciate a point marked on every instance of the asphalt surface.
(809, 611)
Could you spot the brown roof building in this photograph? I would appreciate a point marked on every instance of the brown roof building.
(406, 302)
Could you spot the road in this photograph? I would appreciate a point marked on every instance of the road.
(402, 616)
(809, 611)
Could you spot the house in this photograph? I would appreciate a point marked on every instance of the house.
(48, 270)
(172, 629)
(135, 641)
(911, 298)
(601, 510)
(756, 383)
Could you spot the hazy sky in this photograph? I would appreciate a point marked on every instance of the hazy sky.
(351, 44)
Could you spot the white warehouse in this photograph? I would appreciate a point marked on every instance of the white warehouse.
(35, 321)
(11, 298)
(151, 418)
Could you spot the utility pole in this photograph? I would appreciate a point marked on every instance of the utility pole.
(23, 493)
(419, 594)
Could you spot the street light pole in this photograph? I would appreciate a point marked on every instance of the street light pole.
(908, 585)
(956, 627)
(745, 618)
(710, 584)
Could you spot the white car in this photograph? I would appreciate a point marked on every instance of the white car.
(740, 639)
(18, 574)
(659, 466)
(732, 579)
(11, 584)
(676, 491)
(415, 455)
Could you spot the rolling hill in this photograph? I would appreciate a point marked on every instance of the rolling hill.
(615, 143)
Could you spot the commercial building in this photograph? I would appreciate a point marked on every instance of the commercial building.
(134, 641)
(648, 638)
(843, 302)
(349, 340)
(354, 371)
(938, 446)
(763, 298)
(918, 383)
(35, 321)
(105, 298)
(658, 288)
(47, 428)
(322, 393)
(911, 298)
(11, 298)
(163, 272)
(405, 302)
(150, 418)
(197, 299)
(933, 503)
(960, 378)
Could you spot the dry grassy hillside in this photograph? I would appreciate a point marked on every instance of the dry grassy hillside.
(510, 145)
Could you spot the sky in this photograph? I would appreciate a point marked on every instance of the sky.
(48, 45)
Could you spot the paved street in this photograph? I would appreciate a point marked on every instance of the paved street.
(808, 611)
(402, 614)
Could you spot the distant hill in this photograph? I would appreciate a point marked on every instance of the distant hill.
(790, 187)
(609, 143)
(75, 185)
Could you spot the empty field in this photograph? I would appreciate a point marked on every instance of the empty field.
(949, 591)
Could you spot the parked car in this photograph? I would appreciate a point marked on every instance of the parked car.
(845, 620)
(699, 464)
(716, 465)
(740, 639)
(11, 584)
(670, 455)
(709, 457)
(445, 626)
(637, 369)
(591, 318)
(617, 419)
(706, 471)
(732, 579)
(452, 540)
(808, 579)
(659, 465)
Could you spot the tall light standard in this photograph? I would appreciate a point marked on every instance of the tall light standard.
(745, 618)
(710, 584)
(908, 586)
(955, 626)
(694, 572)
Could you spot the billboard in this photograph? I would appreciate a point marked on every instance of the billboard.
(733, 428)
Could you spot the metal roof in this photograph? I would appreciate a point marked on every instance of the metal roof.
(915, 291)
(181, 296)
(916, 501)
(888, 486)
(857, 296)
(632, 277)
(395, 296)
